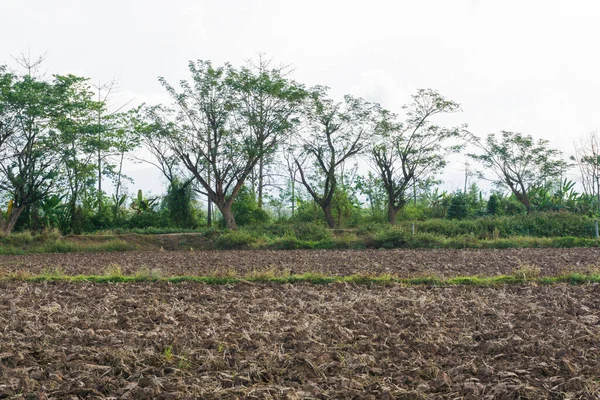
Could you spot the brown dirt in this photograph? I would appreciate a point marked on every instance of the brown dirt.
(445, 263)
(165, 341)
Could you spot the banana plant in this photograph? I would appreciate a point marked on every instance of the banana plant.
(142, 204)
(52, 211)
(119, 201)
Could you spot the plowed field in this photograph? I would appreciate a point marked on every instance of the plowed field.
(275, 341)
(158, 340)
(444, 263)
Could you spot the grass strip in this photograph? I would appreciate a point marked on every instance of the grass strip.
(313, 278)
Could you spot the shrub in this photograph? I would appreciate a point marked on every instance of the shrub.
(426, 240)
(245, 209)
(392, 237)
(287, 243)
(463, 242)
(312, 232)
(459, 207)
(493, 206)
(235, 240)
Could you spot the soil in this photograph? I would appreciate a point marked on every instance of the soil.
(404, 263)
(188, 341)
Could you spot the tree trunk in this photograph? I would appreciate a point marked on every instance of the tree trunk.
(328, 215)
(209, 206)
(293, 196)
(73, 211)
(392, 213)
(7, 225)
(414, 192)
(228, 217)
(99, 182)
(260, 182)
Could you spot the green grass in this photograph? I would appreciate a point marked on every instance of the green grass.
(434, 234)
(115, 276)
(66, 246)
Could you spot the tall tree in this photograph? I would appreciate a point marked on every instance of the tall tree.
(111, 123)
(125, 138)
(587, 159)
(335, 132)
(214, 134)
(405, 154)
(76, 135)
(269, 104)
(519, 162)
(32, 112)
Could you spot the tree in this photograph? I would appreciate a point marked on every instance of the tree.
(125, 137)
(77, 144)
(587, 159)
(408, 153)
(493, 205)
(108, 131)
(459, 206)
(269, 104)
(179, 202)
(33, 113)
(212, 133)
(335, 132)
(372, 187)
(519, 162)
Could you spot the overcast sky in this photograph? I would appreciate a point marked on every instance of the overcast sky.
(519, 65)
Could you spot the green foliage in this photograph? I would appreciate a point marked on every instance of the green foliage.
(308, 211)
(394, 237)
(235, 240)
(179, 205)
(245, 209)
(493, 205)
(519, 163)
(459, 207)
(553, 224)
(148, 219)
(311, 232)
(412, 152)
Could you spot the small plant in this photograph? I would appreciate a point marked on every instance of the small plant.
(151, 274)
(184, 363)
(114, 270)
(527, 272)
(496, 234)
(168, 353)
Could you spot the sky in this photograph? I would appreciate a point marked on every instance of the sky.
(519, 65)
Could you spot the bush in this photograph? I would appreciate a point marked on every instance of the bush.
(311, 232)
(246, 211)
(493, 206)
(459, 207)
(548, 224)
(148, 219)
(393, 237)
(371, 228)
(288, 243)
(179, 204)
(235, 240)
(463, 242)
(427, 240)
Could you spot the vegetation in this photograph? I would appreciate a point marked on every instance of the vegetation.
(231, 277)
(270, 154)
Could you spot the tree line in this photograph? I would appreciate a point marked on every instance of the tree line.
(242, 133)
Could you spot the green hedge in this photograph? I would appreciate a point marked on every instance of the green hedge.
(549, 224)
